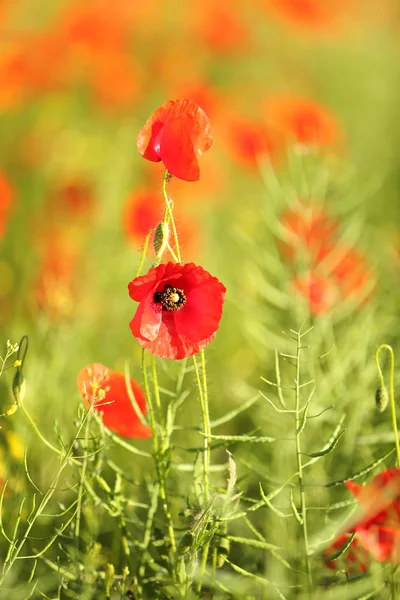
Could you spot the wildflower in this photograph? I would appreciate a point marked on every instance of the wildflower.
(177, 133)
(311, 15)
(179, 311)
(320, 292)
(307, 231)
(303, 121)
(6, 202)
(221, 27)
(378, 528)
(142, 213)
(354, 560)
(107, 390)
(247, 140)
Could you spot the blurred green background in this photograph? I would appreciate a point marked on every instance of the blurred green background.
(303, 100)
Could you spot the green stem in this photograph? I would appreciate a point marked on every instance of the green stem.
(391, 393)
(158, 450)
(144, 252)
(298, 418)
(168, 215)
(206, 426)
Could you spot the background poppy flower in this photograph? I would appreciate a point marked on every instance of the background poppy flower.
(117, 411)
(179, 311)
(354, 560)
(302, 120)
(177, 133)
(378, 528)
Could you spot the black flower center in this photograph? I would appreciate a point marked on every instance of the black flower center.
(171, 298)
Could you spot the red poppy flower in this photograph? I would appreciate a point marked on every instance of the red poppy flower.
(142, 213)
(221, 27)
(378, 528)
(310, 14)
(177, 133)
(354, 560)
(302, 120)
(179, 311)
(247, 140)
(117, 411)
(308, 231)
(6, 202)
(320, 292)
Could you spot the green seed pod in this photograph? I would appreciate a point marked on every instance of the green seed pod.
(161, 238)
(109, 578)
(185, 543)
(381, 398)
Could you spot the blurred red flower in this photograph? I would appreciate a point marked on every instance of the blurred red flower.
(75, 199)
(247, 140)
(378, 528)
(307, 231)
(177, 133)
(114, 404)
(179, 311)
(320, 292)
(309, 14)
(331, 272)
(221, 26)
(6, 202)
(142, 212)
(354, 560)
(55, 284)
(302, 120)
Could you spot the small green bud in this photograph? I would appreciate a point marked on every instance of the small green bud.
(161, 238)
(381, 398)
(185, 543)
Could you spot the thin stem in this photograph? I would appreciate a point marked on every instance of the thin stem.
(391, 393)
(144, 252)
(203, 396)
(206, 430)
(158, 450)
(168, 215)
(156, 388)
(303, 510)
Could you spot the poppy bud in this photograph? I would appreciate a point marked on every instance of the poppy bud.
(161, 238)
(185, 544)
(381, 398)
(19, 386)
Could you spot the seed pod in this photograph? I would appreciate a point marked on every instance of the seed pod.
(381, 398)
(109, 578)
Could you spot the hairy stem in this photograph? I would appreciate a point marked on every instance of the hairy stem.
(391, 393)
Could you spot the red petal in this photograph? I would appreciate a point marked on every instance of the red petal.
(147, 320)
(117, 411)
(146, 141)
(169, 344)
(176, 149)
(200, 316)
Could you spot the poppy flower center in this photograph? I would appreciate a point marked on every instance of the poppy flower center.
(171, 298)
